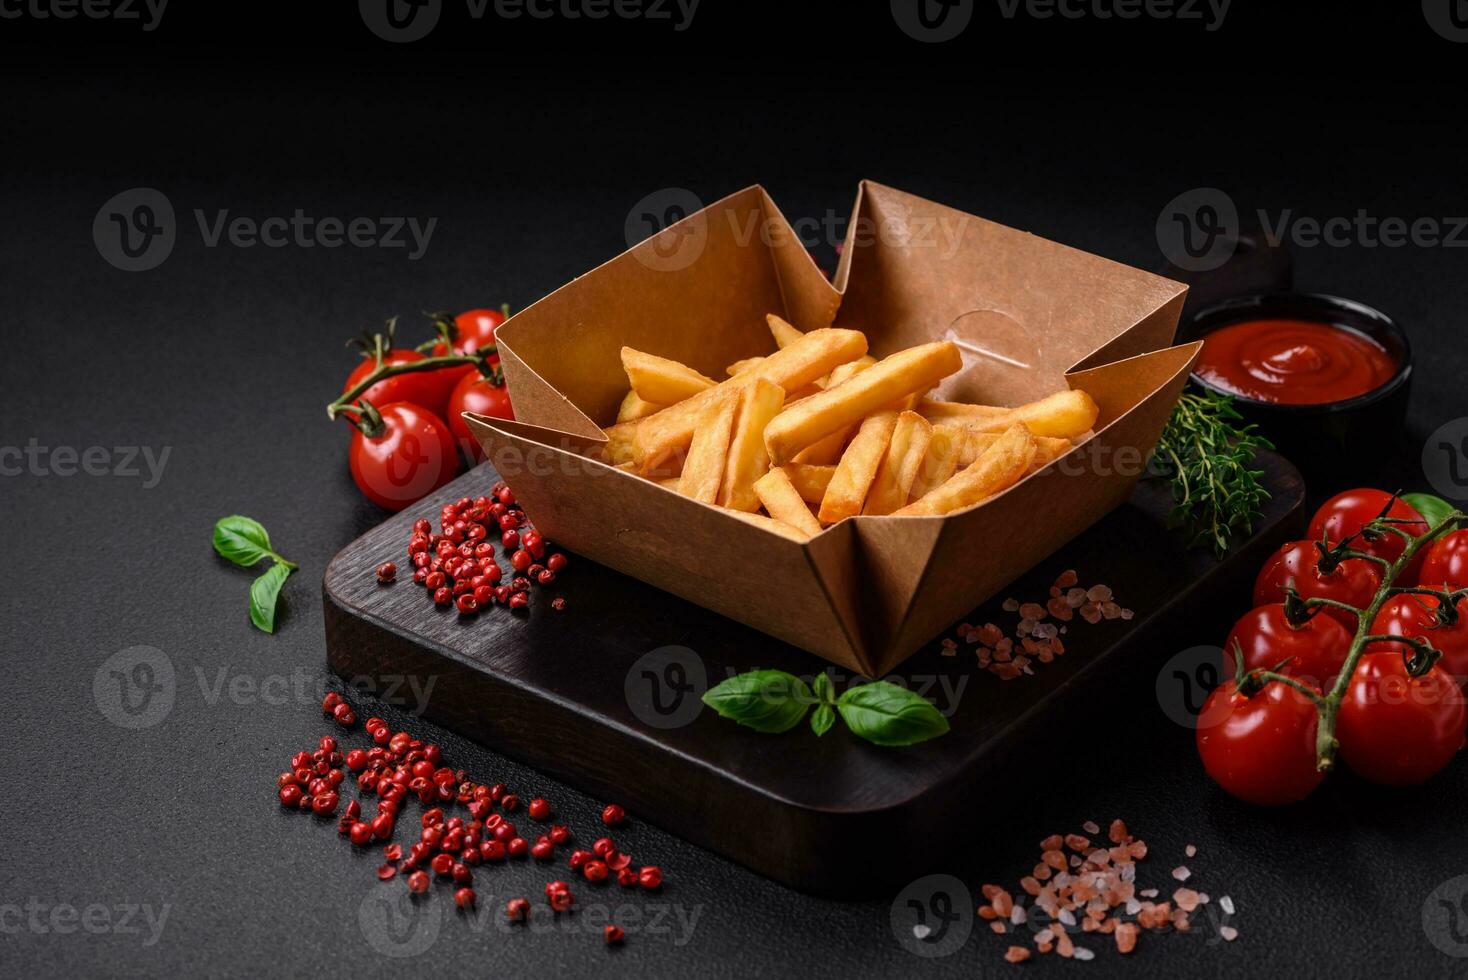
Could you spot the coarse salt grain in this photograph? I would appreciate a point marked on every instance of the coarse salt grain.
(1190, 850)
(1229, 933)
(1082, 953)
(1091, 827)
(1181, 873)
(1227, 904)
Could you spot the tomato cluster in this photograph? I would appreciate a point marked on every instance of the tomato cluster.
(1259, 741)
(409, 426)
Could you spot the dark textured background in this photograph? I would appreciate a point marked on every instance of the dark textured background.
(530, 142)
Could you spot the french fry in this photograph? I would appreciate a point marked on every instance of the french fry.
(827, 452)
(739, 367)
(941, 460)
(1000, 466)
(848, 488)
(814, 418)
(809, 481)
(785, 334)
(813, 355)
(940, 413)
(1063, 415)
(660, 380)
(900, 464)
(618, 449)
(1047, 448)
(635, 407)
(758, 403)
(770, 524)
(703, 470)
(783, 503)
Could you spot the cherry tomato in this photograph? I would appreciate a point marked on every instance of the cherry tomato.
(410, 457)
(1344, 514)
(1260, 749)
(1416, 616)
(1399, 730)
(1354, 581)
(473, 329)
(474, 393)
(1315, 651)
(418, 388)
(1446, 564)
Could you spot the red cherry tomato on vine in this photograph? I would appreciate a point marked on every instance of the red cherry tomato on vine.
(1344, 514)
(408, 457)
(1416, 616)
(1260, 749)
(1446, 563)
(1354, 581)
(473, 329)
(418, 388)
(1315, 651)
(474, 393)
(1399, 730)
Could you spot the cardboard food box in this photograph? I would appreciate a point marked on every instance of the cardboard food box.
(1030, 316)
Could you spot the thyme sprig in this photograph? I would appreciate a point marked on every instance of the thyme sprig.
(1207, 454)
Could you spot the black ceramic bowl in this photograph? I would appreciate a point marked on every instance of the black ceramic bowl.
(1331, 443)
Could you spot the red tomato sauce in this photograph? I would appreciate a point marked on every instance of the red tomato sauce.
(1293, 362)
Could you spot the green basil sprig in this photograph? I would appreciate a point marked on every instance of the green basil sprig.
(244, 541)
(1433, 509)
(773, 701)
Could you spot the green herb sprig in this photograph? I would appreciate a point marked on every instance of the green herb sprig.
(773, 701)
(245, 541)
(1208, 455)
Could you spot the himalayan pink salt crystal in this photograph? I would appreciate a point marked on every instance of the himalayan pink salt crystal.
(1099, 593)
(1032, 611)
(1010, 605)
(1091, 613)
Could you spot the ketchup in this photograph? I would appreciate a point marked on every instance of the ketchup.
(1293, 362)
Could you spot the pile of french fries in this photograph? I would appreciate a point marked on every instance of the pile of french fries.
(820, 431)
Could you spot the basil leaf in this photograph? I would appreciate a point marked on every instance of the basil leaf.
(766, 700)
(264, 592)
(887, 714)
(1430, 507)
(825, 693)
(241, 539)
(823, 719)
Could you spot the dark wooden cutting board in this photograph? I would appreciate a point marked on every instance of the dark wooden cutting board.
(604, 693)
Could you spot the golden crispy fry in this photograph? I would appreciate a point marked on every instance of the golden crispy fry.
(809, 481)
(618, 449)
(739, 367)
(900, 465)
(703, 470)
(660, 380)
(671, 482)
(827, 452)
(1047, 448)
(1063, 415)
(957, 412)
(770, 524)
(915, 369)
(813, 355)
(941, 460)
(783, 502)
(758, 403)
(1000, 466)
(858, 467)
(785, 334)
(635, 407)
